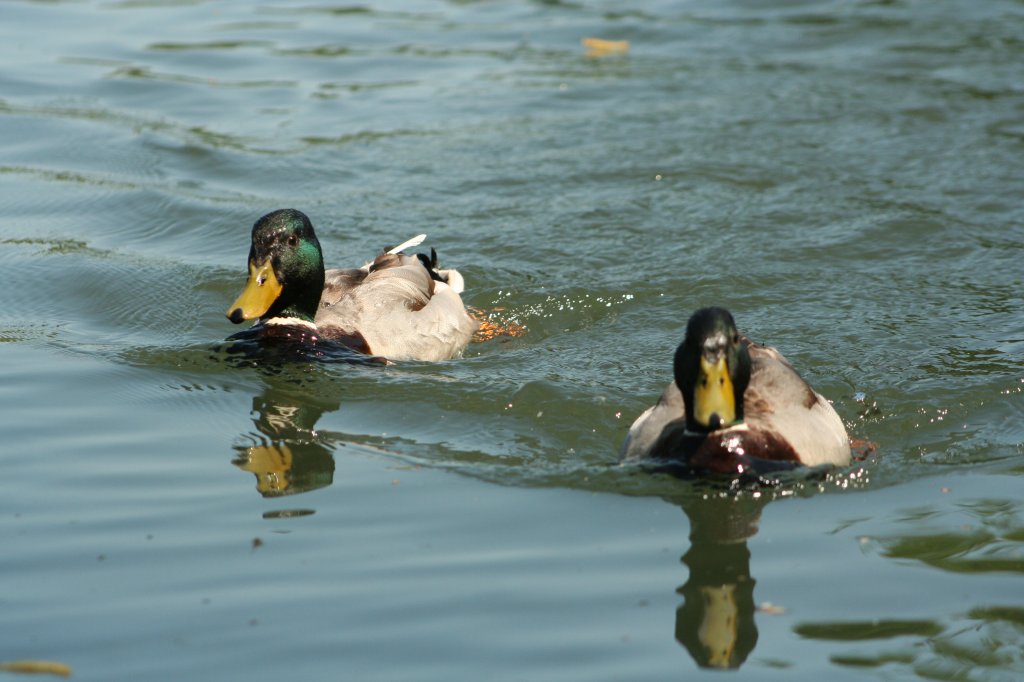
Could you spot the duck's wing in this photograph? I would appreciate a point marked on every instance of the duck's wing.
(780, 402)
(648, 427)
(398, 307)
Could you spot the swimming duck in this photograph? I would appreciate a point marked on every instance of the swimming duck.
(398, 307)
(735, 406)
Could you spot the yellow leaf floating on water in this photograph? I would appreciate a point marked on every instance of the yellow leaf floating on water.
(599, 47)
(37, 668)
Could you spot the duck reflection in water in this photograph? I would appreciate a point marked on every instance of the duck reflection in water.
(716, 620)
(288, 456)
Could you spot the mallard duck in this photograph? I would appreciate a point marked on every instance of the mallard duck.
(398, 307)
(736, 406)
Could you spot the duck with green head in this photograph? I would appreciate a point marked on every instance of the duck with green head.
(736, 406)
(398, 307)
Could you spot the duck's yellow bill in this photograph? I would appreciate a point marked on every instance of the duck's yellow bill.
(259, 294)
(714, 394)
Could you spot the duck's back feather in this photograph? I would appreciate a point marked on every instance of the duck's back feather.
(779, 401)
(398, 307)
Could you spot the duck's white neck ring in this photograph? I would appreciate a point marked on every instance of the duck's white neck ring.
(738, 426)
(290, 322)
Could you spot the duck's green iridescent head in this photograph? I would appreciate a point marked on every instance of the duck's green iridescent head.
(712, 370)
(286, 270)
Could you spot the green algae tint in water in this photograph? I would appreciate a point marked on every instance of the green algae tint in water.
(845, 178)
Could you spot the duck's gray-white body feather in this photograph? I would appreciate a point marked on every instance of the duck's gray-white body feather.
(400, 310)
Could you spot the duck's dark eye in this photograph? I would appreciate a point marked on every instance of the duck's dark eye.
(735, 338)
(293, 240)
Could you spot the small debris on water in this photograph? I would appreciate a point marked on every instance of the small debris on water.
(771, 609)
(37, 668)
(287, 513)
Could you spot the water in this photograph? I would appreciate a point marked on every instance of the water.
(844, 176)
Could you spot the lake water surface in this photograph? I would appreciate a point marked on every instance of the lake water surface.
(845, 176)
